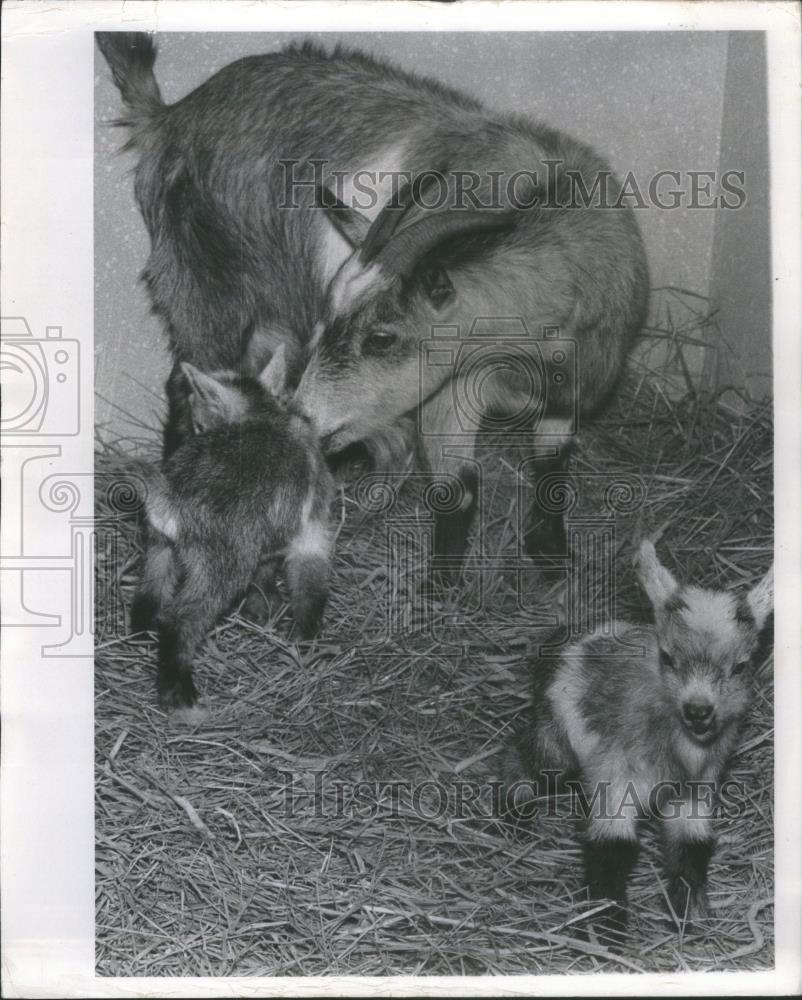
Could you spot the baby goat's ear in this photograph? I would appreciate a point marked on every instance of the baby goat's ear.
(655, 579)
(274, 374)
(212, 403)
(761, 598)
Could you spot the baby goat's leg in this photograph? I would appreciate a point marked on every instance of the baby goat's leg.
(157, 584)
(307, 573)
(688, 845)
(202, 594)
(611, 850)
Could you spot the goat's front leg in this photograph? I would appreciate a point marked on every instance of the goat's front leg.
(611, 850)
(545, 527)
(688, 845)
(454, 490)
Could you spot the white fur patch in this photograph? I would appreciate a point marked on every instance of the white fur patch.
(711, 614)
(691, 820)
(317, 333)
(557, 430)
(161, 516)
(565, 694)
(693, 755)
(333, 248)
(354, 282)
(313, 540)
(761, 598)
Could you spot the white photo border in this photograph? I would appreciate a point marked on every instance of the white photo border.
(47, 290)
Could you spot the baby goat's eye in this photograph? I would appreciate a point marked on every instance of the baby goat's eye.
(666, 660)
(379, 342)
(740, 666)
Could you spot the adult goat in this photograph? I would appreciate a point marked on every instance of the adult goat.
(251, 188)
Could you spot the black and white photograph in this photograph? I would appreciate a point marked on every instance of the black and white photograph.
(412, 485)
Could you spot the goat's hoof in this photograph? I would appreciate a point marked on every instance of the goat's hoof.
(190, 716)
(690, 910)
(257, 608)
(178, 696)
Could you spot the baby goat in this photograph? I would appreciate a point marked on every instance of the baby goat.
(249, 486)
(637, 733)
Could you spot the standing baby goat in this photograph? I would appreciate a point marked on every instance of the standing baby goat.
(639, 732)
(250, 485)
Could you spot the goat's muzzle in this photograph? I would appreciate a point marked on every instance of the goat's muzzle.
(699, 719)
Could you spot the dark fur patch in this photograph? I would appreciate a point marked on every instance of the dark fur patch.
(743, 613)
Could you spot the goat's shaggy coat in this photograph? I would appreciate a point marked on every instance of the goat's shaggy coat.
(248, 490)
(229, 183)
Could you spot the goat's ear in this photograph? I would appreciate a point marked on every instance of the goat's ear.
(349, 223)
(436, 285)
(212, 403)
(761, 598)
(274, 374)
(263, 344)
(655, 579)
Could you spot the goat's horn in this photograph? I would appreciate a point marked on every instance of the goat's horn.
(388, 220)
(353, 225)
(404, 251)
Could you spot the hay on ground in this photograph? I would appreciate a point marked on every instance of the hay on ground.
(300, 828)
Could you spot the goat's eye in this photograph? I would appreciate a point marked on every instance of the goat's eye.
(379, 342)
(666, 660)
(740, 666)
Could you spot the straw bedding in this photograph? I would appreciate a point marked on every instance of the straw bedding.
(331, 814)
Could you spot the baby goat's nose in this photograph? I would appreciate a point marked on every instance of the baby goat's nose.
(697, 711)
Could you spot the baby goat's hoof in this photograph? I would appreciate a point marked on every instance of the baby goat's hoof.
(179, 695)
(258, 608)
(193, 716)
(689, 909)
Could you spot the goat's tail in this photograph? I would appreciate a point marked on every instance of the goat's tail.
(131, 55)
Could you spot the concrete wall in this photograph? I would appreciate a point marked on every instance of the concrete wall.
(647, 101)
(741, 278)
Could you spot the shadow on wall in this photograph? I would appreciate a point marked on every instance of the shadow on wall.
(648, 102)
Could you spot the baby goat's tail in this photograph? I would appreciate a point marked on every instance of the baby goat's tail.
(131, 55)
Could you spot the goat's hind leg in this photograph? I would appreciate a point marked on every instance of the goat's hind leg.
(157, 584)
(203, 593)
